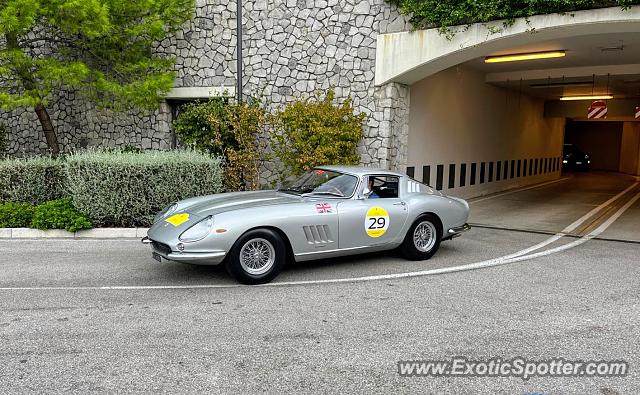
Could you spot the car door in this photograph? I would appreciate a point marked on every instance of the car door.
(371, 222)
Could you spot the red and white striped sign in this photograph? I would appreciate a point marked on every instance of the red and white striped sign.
(597, 110)
(638, 112)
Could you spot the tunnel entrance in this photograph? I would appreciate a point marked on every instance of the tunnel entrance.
(610, 145)
(490, 112)
(599, 141)
(481, 127)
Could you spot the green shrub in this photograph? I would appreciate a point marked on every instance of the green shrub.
(59, 214)
(232, 131)
(314, 132)
(204, 126)
(16, 215)
(34, 180)
(128, 189)
(443, 14)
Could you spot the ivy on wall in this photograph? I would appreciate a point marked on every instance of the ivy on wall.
(443, 14)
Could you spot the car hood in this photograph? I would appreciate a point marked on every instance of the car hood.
(214, 204)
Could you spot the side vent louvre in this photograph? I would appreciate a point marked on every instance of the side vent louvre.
(317, 234)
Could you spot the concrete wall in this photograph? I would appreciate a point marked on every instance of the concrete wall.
(630, 148)
(457, 121)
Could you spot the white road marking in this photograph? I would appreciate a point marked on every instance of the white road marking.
(573, 226)
(518, 256)
(595, 233)
(544, 184)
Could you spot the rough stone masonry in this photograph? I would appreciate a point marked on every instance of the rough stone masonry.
(291, 48)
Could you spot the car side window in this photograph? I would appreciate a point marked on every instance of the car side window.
(383, 187)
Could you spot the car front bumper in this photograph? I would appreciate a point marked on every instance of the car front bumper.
(197, 258)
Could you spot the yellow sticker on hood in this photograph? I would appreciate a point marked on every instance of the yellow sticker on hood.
(178, 219)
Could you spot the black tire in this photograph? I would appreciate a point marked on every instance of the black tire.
(408, 248)
(259, 239)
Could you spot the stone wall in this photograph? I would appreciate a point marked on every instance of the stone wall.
(291, 49)
(79, 125)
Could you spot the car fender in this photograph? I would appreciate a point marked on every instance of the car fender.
(451, 211)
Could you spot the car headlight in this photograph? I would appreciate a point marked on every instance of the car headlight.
(565, 161)
(198, 231)
(166, 211)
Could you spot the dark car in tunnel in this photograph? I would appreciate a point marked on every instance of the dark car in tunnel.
(575, 159)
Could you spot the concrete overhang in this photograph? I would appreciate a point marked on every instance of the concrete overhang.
(408, 57)
(618, 110)
(200, 92)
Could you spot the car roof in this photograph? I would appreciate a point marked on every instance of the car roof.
(360, 170)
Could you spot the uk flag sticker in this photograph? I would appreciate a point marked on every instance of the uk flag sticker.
(323, 208)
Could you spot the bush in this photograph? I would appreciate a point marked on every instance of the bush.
(230, 130)
(16, 215)
(443, 14)
(128, 189)
(59, 214)
(34, 180)
(314, 132)
(204, 127)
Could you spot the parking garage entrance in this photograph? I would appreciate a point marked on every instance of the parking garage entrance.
(491, 111)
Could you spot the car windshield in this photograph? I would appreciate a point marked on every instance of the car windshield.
(322, 182)
(570, 149)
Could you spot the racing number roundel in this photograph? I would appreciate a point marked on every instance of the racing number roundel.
(376, 222)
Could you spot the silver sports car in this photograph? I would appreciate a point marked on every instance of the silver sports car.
(329, 211)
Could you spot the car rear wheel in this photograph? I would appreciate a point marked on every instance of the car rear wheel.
(257, 257)
(423, 238)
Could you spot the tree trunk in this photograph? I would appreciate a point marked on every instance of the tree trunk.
(29, 84)
(47, 127)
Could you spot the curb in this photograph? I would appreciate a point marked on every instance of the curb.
(98, 233)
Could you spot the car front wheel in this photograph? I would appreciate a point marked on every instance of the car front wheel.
(257, 257)
(422, 239)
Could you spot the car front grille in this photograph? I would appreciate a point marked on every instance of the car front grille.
(161, 247)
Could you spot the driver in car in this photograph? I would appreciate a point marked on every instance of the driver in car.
(373, 195)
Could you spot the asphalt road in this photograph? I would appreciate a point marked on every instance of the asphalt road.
(181, 328)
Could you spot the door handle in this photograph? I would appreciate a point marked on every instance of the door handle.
(400, 204)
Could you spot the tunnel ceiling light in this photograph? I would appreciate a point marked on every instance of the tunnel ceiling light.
(525, 56)
(596, 97)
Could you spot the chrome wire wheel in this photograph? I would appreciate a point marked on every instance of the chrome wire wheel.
(257, 256)
(425, 236)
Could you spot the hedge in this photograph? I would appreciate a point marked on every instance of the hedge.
(128, 189)
(33, 180)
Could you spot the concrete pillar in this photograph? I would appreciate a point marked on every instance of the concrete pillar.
(630, 148)
(389, 144)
